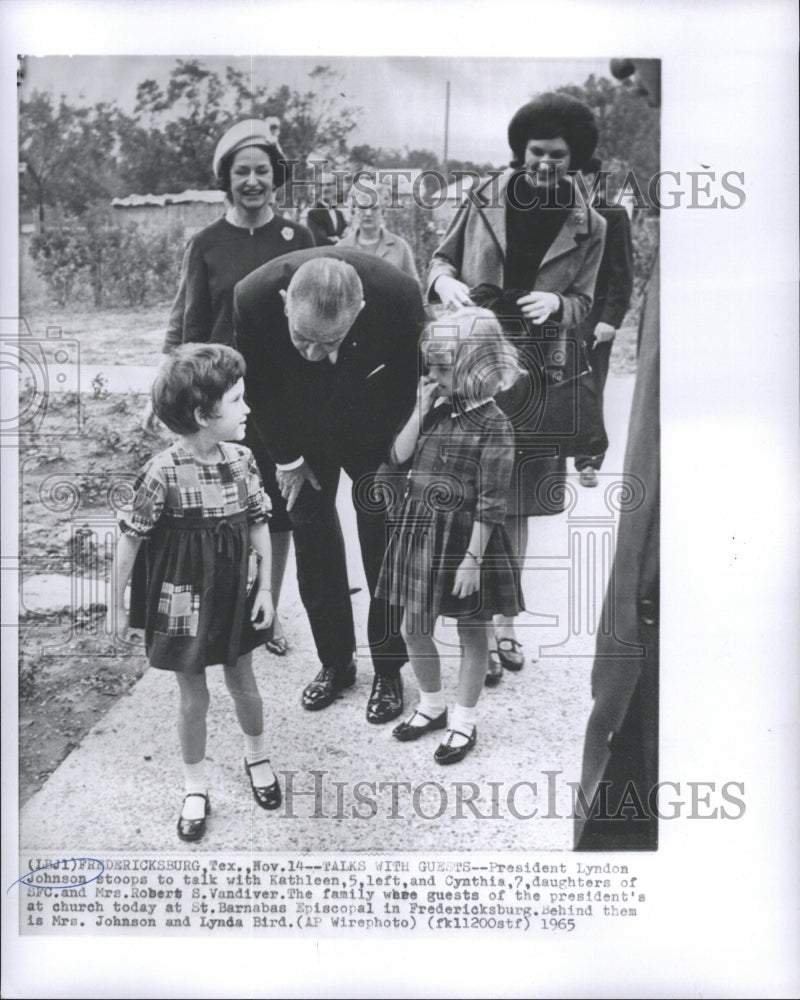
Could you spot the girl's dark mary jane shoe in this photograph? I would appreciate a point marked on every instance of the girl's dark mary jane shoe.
(446, 753)
(511, 654)
(266, 796)
(193, 829)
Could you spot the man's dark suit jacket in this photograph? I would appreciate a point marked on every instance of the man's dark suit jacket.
(348, 412)
(321, 225)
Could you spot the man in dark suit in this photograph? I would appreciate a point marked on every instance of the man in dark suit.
(326, 222)
(330, 337)
(612, 296)
(620, 752)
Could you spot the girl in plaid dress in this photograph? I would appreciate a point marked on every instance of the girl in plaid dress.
(448, 553)
(205, 595)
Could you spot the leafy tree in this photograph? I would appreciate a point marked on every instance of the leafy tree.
(66, 152)
(629, 129)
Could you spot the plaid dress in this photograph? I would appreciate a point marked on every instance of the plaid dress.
(461, 470)
(193, 592)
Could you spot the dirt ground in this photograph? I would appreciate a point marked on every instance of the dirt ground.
(75, 455)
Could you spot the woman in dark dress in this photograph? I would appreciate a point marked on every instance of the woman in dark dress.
(532, 231)
(248, 165)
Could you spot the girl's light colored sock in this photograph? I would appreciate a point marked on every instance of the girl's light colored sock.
(462, 720)
(432, 703)
(255, 749)
(195, 784)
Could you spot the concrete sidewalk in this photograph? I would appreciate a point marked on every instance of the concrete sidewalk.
(122, 787)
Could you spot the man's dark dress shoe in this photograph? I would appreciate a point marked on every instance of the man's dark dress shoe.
(405, 732)
(328, 685)
(386, 701)
(446, 753)
(266, 796)
(193, 829)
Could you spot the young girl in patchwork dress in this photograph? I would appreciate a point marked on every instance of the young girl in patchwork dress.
(448, 552)
(206, 599)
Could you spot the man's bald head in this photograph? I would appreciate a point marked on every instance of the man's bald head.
(322, 302)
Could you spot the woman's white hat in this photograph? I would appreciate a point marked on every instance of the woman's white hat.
(253, 132)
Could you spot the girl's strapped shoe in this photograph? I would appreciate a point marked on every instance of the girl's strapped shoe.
(446, 753)
(510, 653)
(193, 829)
(406, 732)
(266, 796)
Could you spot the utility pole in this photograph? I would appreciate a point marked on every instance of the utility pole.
(446, 125)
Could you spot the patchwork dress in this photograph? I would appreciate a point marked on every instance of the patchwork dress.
(461, 471)
(193, 585)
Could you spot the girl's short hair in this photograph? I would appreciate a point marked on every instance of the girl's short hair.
(554, 116)
(194, 376)
(471, 339)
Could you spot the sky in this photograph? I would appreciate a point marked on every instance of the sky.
(402, 99)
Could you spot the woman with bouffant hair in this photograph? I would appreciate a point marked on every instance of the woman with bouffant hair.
(529, 231)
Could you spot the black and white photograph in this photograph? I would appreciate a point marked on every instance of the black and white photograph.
(333, 386)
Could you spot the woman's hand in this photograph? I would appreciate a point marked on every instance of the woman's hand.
(468, 578)
(604, 332)
(263, 610)
(452, 292)
(537, 306)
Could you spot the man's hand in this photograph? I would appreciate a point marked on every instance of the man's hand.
(453, 293)
(538, 306)
(604, 332)
(290, 482)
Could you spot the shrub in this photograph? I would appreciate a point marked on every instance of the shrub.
(122, 264)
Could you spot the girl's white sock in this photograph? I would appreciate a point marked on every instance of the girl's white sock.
(255, 749)
(432, 703)
(463, 718)
(195, 783)
(194, 777)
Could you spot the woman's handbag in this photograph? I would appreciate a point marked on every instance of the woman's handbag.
(555, 401)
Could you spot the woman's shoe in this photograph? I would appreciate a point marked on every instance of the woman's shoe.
(278, 647)
(446, 753)
(495, 672)
(510, 653)
(266, 796)
(405, 732)
(193, 829)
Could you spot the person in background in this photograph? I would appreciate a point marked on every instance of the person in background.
(529, 230)
(248, 166)
(326, 222)
(367, 232)
(612, 296)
